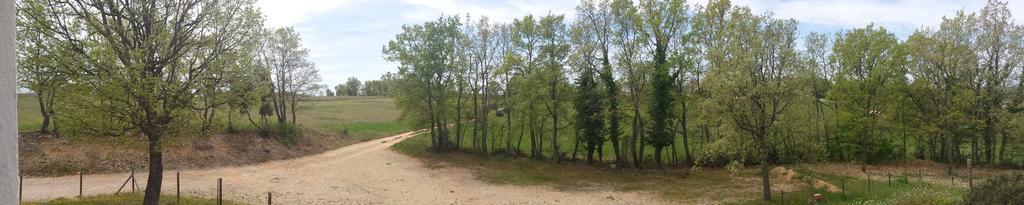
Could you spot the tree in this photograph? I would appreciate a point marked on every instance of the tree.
(39, 66)
(352, 86)
(942, 63)
(870, 62)
(596, 22)
(627, 40)
(426, 55)
(588, 103)
(291, 72)
(1000, 49)
(661, 23)
(140, 61)
(818, 51)
(752, 79)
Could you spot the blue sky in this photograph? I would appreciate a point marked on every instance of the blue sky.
(345, 37)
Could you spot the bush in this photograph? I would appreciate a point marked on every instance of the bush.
(998, 190)
(288, 134)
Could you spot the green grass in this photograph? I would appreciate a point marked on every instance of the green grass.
(128, 199)
(674, 184)
(29, 118)
(360, 117)
(879, 191)
(684, 186)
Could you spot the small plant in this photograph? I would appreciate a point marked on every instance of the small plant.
(998, 190)
(734, 168)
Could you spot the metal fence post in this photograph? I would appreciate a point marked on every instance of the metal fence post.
(21, 187)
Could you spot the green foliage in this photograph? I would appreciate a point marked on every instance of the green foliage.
(589, 108)
(998, 190)
(870, 69)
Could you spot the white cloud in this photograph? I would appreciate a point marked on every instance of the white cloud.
(291, 12)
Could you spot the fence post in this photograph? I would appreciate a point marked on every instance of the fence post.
(869, 183)
(844, 185)
(177, 186)
(134, 186)
(220, 193)
(920, 176)
(81, 183)
(270, 198)
(21, 187)
(889, 178)
(783, 196)
(970, 177)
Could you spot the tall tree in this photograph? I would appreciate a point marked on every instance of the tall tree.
(629, 43)
(662, 23)
(426, 55)
(291, 72)
(145, 58)
(870, 62)
(942, 63)
(1000, 50)
(352, 86)
(752, 79)
(596, 22)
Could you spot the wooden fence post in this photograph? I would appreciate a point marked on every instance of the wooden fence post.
(970, 177)
(177, 186)
(270, 198)
(869, 183)
(134, 186)
(220, 193)
(889, 178)
(81, 183)
(783, 196)
(844, 185)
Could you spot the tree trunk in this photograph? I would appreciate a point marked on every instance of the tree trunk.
(766, 185)
(45, 127)
(657, 156)
(156, 170)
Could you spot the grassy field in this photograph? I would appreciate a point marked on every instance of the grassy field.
(129, 199)
(709, 185)
(360, 117)
(29, 118)
(326, 123)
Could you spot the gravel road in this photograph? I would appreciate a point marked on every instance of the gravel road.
(363, 173)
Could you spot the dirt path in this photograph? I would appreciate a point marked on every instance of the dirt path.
(363, 173)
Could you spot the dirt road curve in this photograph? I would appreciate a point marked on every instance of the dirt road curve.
(364, 173)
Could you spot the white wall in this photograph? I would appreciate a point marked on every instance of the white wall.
(8, 107)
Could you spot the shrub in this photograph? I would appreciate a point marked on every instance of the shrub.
(734, 167)
(998, 190)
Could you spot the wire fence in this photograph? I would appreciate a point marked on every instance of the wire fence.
(130, 185)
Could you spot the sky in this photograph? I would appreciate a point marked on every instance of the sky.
(345, 37)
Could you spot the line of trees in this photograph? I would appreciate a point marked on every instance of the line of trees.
(715, 83)
(159, 69)
(353, 87)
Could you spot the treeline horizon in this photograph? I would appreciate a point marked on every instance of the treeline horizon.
(714, 85)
